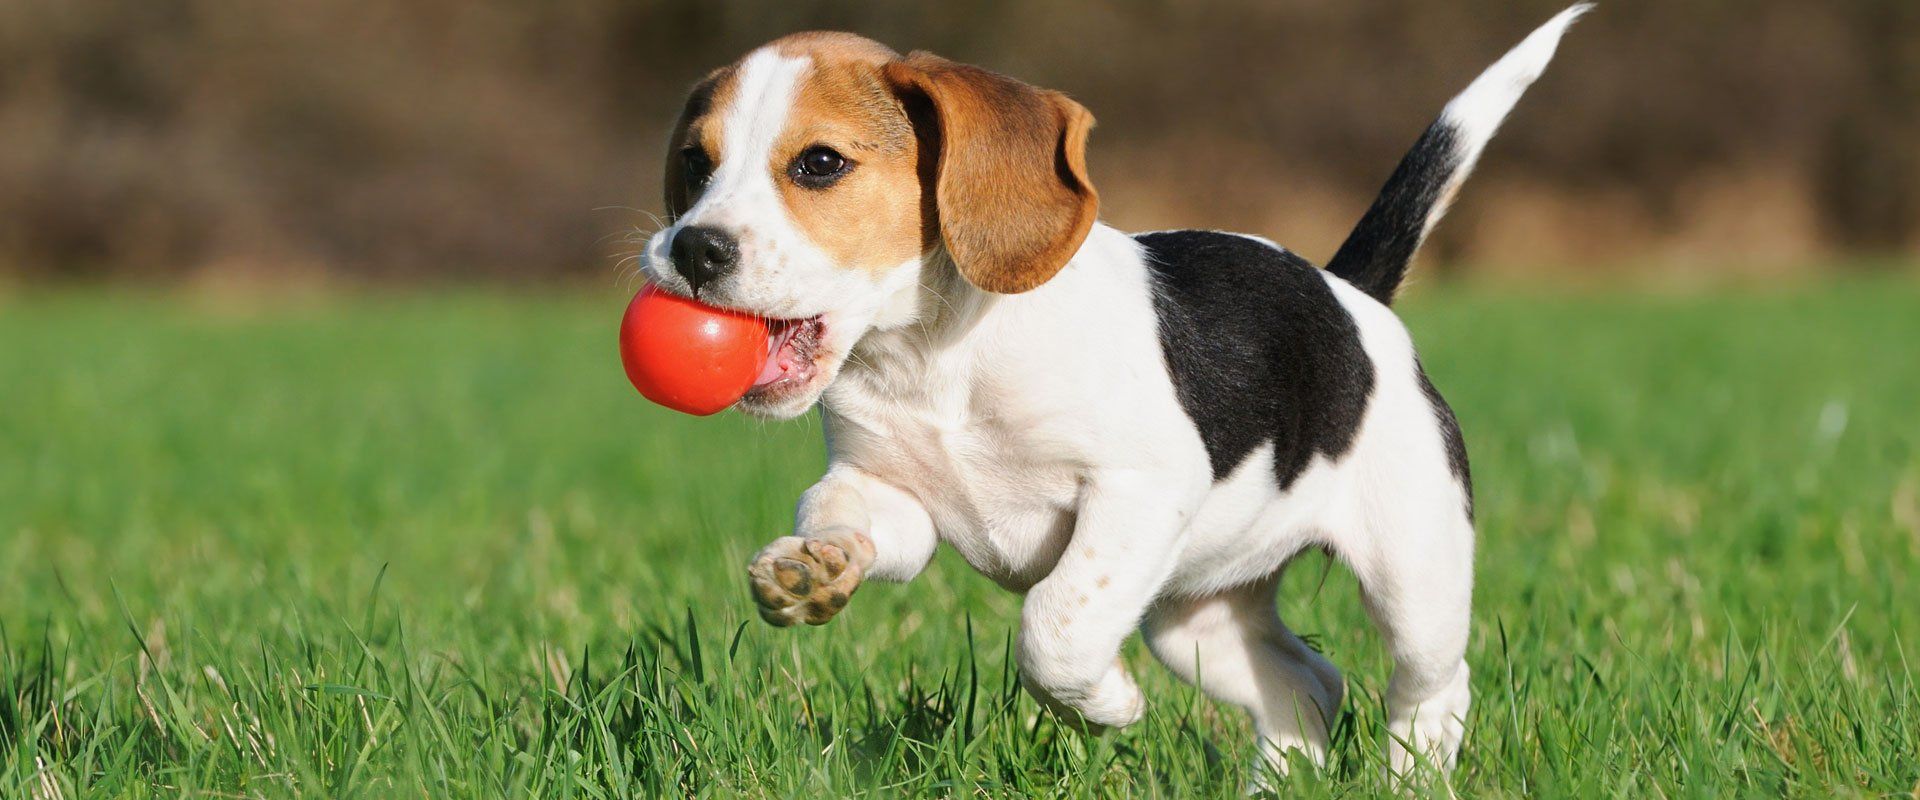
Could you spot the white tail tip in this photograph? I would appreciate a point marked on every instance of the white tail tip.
(1478, 111)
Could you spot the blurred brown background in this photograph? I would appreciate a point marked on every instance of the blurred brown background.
(521, 140)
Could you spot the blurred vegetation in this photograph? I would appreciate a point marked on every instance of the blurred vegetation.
(514, 139)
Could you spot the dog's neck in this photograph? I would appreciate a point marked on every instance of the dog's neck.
(921, 343)
(934, 314)
(939, 332)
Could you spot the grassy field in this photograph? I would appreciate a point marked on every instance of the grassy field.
(432, 545)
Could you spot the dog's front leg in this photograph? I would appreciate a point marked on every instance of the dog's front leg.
(849, 526)
(1125, 543)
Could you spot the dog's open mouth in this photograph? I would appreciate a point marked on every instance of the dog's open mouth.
(792, 346)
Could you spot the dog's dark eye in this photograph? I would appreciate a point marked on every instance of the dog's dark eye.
(819, 166)
(697, 166)
(821, 162)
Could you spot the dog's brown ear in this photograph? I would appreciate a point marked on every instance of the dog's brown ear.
(1009, 171)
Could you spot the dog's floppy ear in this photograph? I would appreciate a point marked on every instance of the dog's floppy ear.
(1008, 171)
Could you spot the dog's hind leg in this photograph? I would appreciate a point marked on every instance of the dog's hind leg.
(1234, 647)
(1417, 584)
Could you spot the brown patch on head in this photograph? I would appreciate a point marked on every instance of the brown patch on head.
(1104, 580)
(834, 46)
(940, 153)
(698, 128)
(870, 218)
(1012, 195)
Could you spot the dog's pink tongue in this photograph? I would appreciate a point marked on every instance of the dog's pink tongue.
(772, 370)
(778, 360)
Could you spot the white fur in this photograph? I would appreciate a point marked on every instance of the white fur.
(1040, 435)
(1043, 438)
(1479, 109)
(1476, 113)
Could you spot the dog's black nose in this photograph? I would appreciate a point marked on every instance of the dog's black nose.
(703, 255)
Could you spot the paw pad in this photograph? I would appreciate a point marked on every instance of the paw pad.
(802, 580)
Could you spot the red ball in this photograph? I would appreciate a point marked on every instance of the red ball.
(689, 356)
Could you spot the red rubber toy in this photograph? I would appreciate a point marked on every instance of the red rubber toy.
(689, 356)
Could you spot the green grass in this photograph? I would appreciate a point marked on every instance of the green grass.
(432, 545)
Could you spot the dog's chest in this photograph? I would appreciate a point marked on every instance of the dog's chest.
(995, 491)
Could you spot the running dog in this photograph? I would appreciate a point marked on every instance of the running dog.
(1137, 431)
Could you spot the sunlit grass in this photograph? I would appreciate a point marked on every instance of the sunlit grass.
(434, 546)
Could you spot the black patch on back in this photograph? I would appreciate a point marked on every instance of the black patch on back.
(1450, 432)
(1259, 348)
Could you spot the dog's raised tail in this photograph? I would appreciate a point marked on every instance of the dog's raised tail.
(1375, 255)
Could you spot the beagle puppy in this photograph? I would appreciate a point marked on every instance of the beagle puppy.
(1137, 431)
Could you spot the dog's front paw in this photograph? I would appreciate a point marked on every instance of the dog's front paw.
(797, 579)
